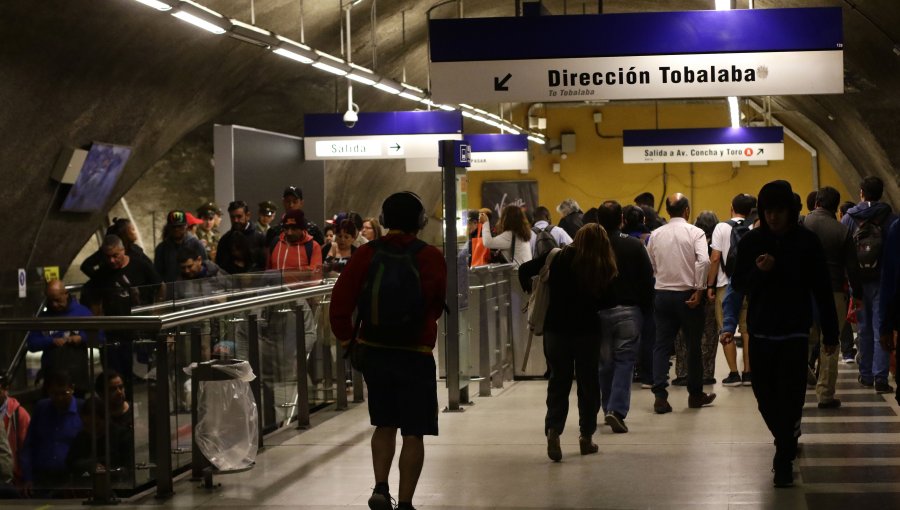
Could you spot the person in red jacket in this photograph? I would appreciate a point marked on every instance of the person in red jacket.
(399, 373)
(295, 248)
(15, 421)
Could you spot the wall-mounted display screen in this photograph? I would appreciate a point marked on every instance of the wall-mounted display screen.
(99, 174)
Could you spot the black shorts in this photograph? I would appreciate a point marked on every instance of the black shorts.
(402, 390)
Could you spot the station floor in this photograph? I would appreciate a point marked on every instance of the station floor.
(493, 456)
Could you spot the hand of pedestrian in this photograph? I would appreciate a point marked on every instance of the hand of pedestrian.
(765, 262)
(726, 338)
(887, 341)
(711, 294)
(695, 299)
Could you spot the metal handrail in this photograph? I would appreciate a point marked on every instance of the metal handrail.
(151, 322)
(493, 268)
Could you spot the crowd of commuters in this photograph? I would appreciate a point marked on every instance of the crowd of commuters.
(631, 296)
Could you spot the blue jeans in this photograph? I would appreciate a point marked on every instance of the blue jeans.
(673, 314)
(874, 362)
(620, 329)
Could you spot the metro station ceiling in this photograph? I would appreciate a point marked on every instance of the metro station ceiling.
(75, 71)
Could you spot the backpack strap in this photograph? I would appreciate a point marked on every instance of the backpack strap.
(309, 250)
(725, 255)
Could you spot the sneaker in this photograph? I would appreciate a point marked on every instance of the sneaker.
(747, 379)
(848, 359)
(554, 451)
(883, 387)
(679, 381)
(616, 422)
(830, 404)
(868, 383)
(784, 474)
(645, 386)
(381, 499)
(587, 446)
(733, 379)
(709, 380)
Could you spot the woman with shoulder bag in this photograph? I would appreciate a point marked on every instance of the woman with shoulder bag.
(580, 276)
(514, 238)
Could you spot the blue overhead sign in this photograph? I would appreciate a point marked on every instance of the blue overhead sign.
(379, 135)
(638, 55)
(702, 145)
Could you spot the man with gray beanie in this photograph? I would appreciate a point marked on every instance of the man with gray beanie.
(780, 265)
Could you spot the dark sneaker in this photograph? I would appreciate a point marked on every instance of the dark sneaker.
(747, 379)
(883, 387)
(868, 383)
(381, 500)
(661, 406)
(784, 474)
(554, 451)
(709, 381)
(733, 379)
(701, 399)
(679, 381)
(830, 404)
(616, 422)
(848, 359)
(587, 446)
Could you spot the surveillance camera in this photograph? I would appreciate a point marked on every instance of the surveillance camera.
(350, 118)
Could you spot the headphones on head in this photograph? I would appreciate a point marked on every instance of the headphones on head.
(421, 219)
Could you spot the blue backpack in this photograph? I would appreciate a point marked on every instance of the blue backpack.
(391, 306)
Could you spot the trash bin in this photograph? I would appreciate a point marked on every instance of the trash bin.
(226, 432)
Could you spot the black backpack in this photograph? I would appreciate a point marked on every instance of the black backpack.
(543, 241)
(391, 306)
(868, 241)
(739, 229)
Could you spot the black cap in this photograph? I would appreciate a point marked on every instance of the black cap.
(293, 191)
(268, 208)
(208, 210)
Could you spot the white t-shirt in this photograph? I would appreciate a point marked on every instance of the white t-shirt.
(721, 241)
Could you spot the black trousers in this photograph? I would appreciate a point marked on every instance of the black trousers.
(571, 356)
(779, 384)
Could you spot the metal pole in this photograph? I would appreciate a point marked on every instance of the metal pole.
(302, 371)
(497, 370)
(509, 363)
(484, 340)
(255, 384)
(451, 323)
(198, 461)
(163, 432)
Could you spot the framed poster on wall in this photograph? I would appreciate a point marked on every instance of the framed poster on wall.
(495, 195)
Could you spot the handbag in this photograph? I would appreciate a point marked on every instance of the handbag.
(539, 300)
(497, 256)
(481, 256)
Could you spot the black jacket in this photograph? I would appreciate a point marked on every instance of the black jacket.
(572, 222)
(256, 256)
(781, 300)
(634, 285)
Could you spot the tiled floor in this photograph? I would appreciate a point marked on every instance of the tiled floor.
(492, 456)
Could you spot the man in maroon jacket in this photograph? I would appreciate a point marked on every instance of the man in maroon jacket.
(398, 365)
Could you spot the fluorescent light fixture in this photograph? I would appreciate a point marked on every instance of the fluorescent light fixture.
(723, 5)
(293, 56)
(388, 86)
(329, 68)
(252, 34)
(447, 108)
(511, 130)
(412, 87)
(428, 101)
(494, 116)
(359, 77)
(201, 17)
(734, 111)
(479, 110)
(467, 114)
(159, 6)
(537, 140)
(409, 96)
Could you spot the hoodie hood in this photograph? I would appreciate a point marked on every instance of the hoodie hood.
(775, 195)
(867, 210)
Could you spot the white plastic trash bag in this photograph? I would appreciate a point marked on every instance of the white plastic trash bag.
(227, 430)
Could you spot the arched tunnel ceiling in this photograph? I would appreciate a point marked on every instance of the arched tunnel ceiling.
(76, 71)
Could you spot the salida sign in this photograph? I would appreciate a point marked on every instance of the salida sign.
(702, 145)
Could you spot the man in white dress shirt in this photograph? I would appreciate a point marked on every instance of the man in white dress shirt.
(678, 252)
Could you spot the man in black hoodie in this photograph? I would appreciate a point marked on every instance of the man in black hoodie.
(870, 214)
(779, 266)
